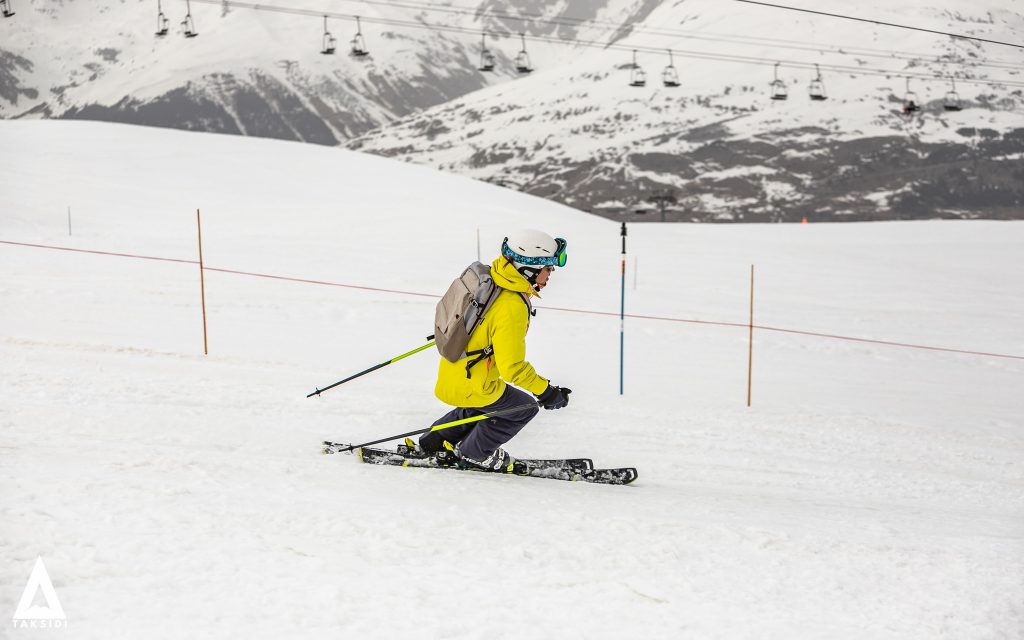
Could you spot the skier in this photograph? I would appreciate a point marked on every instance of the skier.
(496, 360)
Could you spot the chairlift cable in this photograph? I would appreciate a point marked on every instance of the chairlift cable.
(700, 55)
(882, 23)
(537, 18)
(693, 35)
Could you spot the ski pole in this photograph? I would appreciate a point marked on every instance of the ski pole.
(375, 367)
(446, 425)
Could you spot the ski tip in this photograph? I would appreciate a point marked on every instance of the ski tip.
(619, 476)
(628, 475)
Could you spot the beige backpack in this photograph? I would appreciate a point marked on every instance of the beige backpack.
(460, 312)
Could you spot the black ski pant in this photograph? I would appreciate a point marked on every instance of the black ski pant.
(479, 439)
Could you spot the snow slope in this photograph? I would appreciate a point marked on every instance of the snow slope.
(870, 491)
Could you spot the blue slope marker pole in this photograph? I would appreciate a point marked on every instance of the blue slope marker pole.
(622, 315)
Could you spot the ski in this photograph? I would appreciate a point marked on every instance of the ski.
(580, 464)
(409, 452)
(572, 470)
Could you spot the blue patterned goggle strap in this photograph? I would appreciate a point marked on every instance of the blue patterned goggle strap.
(557, 260)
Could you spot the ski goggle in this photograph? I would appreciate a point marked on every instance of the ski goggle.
(557, 260)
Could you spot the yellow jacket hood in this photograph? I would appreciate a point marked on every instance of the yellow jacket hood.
(506, 277)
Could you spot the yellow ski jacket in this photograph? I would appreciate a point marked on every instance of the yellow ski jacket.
(504, 328)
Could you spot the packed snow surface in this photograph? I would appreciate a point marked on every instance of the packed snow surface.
(870, 491)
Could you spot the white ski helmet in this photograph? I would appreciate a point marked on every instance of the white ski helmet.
(531, 250)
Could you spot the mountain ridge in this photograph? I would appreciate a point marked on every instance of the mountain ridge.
(714, 149)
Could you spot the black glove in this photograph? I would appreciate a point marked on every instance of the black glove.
(554, 397)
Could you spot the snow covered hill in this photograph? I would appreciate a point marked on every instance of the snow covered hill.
(721, 149)
(252, 72)
(871, 491)
(714, 148)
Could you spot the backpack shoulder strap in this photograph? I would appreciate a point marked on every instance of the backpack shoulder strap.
(529, 305)
(481, 307)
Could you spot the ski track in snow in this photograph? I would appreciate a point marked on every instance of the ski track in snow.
(870, 492)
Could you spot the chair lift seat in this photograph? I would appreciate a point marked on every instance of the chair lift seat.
(523, 59)
(523, 63)
(162, 24)
(910, 103)
(486, 61)
(359, 49)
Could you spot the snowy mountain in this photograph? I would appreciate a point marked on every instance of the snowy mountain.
(253, 72)
(714, 148)
(719, 148)
(871, 491)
